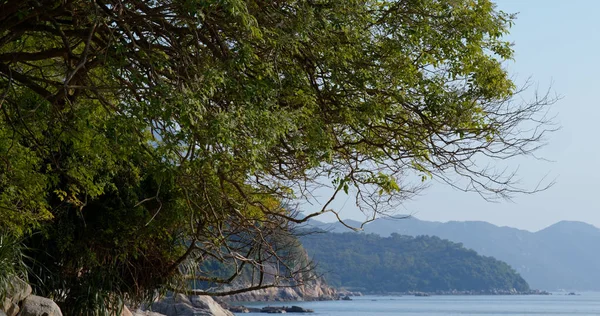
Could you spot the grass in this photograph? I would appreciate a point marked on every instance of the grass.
(12, 265)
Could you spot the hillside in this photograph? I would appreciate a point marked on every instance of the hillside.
(371, 263)
(561, 256)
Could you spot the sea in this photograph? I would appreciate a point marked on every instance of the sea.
(558, 304)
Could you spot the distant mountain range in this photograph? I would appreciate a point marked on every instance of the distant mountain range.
(563, 256)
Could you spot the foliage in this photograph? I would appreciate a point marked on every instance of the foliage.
(12, 265)
(136, 136)
(401, 264)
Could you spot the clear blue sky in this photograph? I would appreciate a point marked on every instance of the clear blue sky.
(556, 42)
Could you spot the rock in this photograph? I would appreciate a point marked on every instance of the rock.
(167, 308)
(126, 311)
(284, 309)
(140, 312)
(314, 289)
(298, 309)
(2, 313)
(243, 309)
(238, 309)
(207, 302)
(12, 309)
(39, 306)
(182, 298)
(17, 292)
(273, 310)
(181, 305)
(270, 309)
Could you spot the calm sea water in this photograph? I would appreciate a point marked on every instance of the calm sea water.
(556, 305)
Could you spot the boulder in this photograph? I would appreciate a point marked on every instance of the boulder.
(17, 292)
(273, 310)
(39, 306)
(176, 309)
(313, 290)
(208, 303)
(239, 309)
(298, 309)
(140, 312)
(12, 309)
(283, 310)
(126, 311)
(182, 298)
(181, 305)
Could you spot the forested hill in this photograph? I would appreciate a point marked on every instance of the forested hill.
(561, 256)
(398, 263)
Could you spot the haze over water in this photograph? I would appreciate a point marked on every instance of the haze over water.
(555, 305)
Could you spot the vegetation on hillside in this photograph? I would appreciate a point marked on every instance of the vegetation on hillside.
(399, 263)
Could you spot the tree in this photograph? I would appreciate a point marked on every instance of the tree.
(186, 126)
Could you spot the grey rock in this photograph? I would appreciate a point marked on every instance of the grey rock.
(273, 310)
(182, 298)
(181, 305)
(2, 313)
(208, 303)
(39, 306)
(12, 309)
(239, 309)
(126, 311)
(140, 312)
(165, 308)
(177, 309)
(17, 292)
(183, 309)
(298, 309)
(285, 309)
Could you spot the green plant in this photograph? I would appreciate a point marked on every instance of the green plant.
(12, 264)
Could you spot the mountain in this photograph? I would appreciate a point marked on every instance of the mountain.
(562, 256)
(371, 263)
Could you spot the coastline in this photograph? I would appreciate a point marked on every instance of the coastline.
(341, 295)
(492, 292)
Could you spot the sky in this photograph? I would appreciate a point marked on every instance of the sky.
(557, 45)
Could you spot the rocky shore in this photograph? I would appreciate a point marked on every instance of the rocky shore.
(270, 309)
(315, 290)
(21, 302)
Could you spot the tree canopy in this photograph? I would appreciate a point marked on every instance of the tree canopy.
(136, 135)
